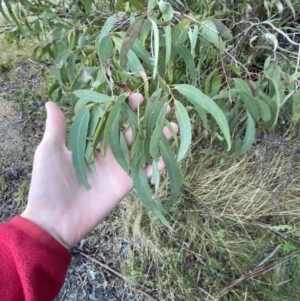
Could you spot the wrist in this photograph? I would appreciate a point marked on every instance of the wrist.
(44, 226)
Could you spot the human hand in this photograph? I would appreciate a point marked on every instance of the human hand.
(57, 201)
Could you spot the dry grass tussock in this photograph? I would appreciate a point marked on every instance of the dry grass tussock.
(233, 219)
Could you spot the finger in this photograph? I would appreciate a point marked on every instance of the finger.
(135, 100)
(160, 163)
(56, 126)
(148, 169)
(128, 132)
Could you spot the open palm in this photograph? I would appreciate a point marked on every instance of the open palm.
(57, 201)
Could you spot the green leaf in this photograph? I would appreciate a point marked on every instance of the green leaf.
(158, 132)
(124, 149)
(114, 136)
(141, 184)
(189, 61)
(105, 49)
(193, 35)
(113, 118)
(119, 5)
(2, 12)
(207, 84)
(171, 168)
(10, 12)
(210, 32)
(185, 129)
(151, 5)
(87, 4)
(129, 38)
(53, 88)
(150, 105)
(290, 5)
(138, 176)
(95, 116)
(93, 96)
(147, 26)
(78, 136)
(168, 34)
(137, 4)
(247, 98)
(81, 103)
(107, 27)
(154, 129)
(221, 28)
(128, 113)
(80, 80)
(202, 101)
(166, 9)
(156, 47)
(248, 139)
(180, 29)
(142, 53)
(134, 64)
(155, 179)
(274, 110)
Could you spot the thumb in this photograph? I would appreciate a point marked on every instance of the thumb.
(56, 126)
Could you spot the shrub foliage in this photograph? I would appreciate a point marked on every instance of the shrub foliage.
(228, 68)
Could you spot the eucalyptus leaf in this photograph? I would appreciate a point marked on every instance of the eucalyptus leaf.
(202, 101)
(130, 36)
(189, 61)
(156, 47)
(78, 140)
(93, 96)
(107, 27)
(185, 129)
(171, 168)
(166, 9)
(248, 139)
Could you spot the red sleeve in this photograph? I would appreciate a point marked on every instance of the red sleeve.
(33, 264)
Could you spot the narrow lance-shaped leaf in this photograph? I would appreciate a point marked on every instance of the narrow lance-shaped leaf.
(2, 12)
(202, 101)
(171, 168)
(141, 184)
(113, 115)
(107, 27)
(114, 137)
(189, 61)
(155, 179)
(210, 32)
(142, 53)
(78, 136)
(105, 49)
(185, 129)
(151, 4)
(168, 36)
(166, 9)
(247, 98)
(95, 116)
(130, 36)
(156, 47)
(93, 96)
(248, 139)
(7, 3)
(138, 4)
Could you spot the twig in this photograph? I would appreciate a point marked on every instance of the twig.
(115, 273)
(258, 272)
(146, 295)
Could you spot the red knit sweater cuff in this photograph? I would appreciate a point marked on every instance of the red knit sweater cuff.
(41, 236)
